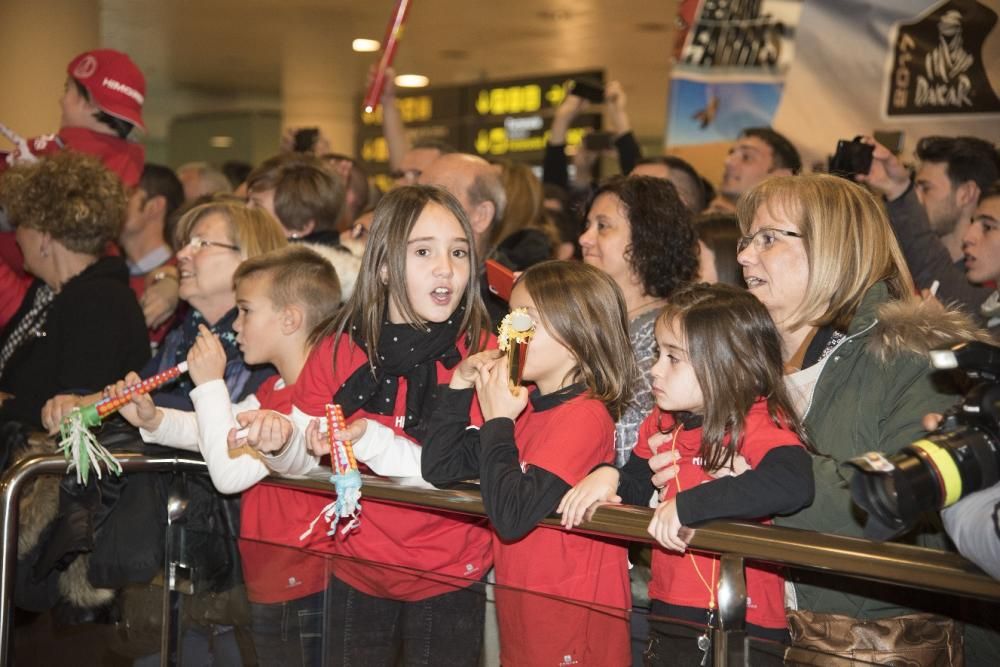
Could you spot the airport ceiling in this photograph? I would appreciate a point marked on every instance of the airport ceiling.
(230, 46)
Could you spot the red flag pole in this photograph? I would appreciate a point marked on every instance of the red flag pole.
(393, 33)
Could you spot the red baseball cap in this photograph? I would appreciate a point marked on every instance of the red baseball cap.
(115, 83)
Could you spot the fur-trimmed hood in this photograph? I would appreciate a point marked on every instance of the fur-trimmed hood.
(912, 326)
(344, 261)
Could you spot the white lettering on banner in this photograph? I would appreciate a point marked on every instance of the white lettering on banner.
(400, 422)
(940, 62)
(943, 95)
(120, 87)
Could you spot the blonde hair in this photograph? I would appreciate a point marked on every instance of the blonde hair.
(585, 311)
(254, 231)
(298, 275)
(525, 208)
(847, 238)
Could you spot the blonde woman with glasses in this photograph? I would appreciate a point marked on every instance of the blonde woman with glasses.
(819, 253)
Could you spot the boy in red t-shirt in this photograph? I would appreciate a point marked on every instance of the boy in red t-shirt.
(101, 105)
(281, 296)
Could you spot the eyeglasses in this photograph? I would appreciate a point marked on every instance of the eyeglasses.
(197, 244)
(763, 239)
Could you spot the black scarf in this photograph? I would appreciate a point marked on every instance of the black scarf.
(403, 351)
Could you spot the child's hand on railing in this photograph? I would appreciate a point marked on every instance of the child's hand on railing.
(667, 529)
(598, 488)
(140, 411)
(266, 431)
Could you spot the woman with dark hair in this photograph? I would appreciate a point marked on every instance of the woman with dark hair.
(639, 232)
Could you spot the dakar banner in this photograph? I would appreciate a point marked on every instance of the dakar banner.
(731, 59)
(820, 71)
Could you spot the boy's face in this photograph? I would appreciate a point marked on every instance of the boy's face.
(259, 325)
(76, 110)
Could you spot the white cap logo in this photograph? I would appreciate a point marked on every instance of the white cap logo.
(85, 68)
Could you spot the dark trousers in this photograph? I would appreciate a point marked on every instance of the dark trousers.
(441, 631)
(676, 643)
(289, 633)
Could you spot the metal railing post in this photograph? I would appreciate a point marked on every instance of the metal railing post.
(729, 637)
(12, 483)
(177, 578)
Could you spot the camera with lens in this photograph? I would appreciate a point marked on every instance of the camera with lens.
(961, 457)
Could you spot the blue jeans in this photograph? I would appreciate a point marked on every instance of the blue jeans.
(441, 631)
(289, 633)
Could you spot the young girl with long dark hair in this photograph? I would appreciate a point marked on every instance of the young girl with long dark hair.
(561, 598)
(724, 443)
(404, 579)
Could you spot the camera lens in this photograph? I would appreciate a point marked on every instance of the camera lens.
(930, 474)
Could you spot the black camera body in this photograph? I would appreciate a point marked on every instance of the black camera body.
(852, 158)
(961, 457)
(589, 89)
(305, 139)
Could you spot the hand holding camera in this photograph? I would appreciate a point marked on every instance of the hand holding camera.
(886, 174)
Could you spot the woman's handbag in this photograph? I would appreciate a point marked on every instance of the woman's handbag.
(911, 640)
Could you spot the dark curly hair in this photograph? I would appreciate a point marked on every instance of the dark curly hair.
(663, 251)
(70, 196)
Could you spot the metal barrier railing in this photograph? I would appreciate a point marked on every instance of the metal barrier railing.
(13, 483)
(896, 564)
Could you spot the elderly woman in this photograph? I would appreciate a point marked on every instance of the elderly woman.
(639, 232)
(79, 326)
(818, 252)
(213, 239)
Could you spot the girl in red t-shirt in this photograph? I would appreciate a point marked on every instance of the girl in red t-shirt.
(562, 598)
(725, 443)
(405, 579)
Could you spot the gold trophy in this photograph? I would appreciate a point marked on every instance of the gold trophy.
(516, 329)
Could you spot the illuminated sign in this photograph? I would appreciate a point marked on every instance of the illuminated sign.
(509, 118)
(499, 140)
(417, 109)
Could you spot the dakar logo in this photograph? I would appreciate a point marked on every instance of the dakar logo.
(938, 62)
(85, 68)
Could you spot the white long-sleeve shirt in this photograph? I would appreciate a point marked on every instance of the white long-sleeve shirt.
(234, 470)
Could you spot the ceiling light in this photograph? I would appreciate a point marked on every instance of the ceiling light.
(220, 141)
(412, 81)
(362, 45)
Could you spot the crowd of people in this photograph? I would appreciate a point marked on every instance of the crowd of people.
(714, 352)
